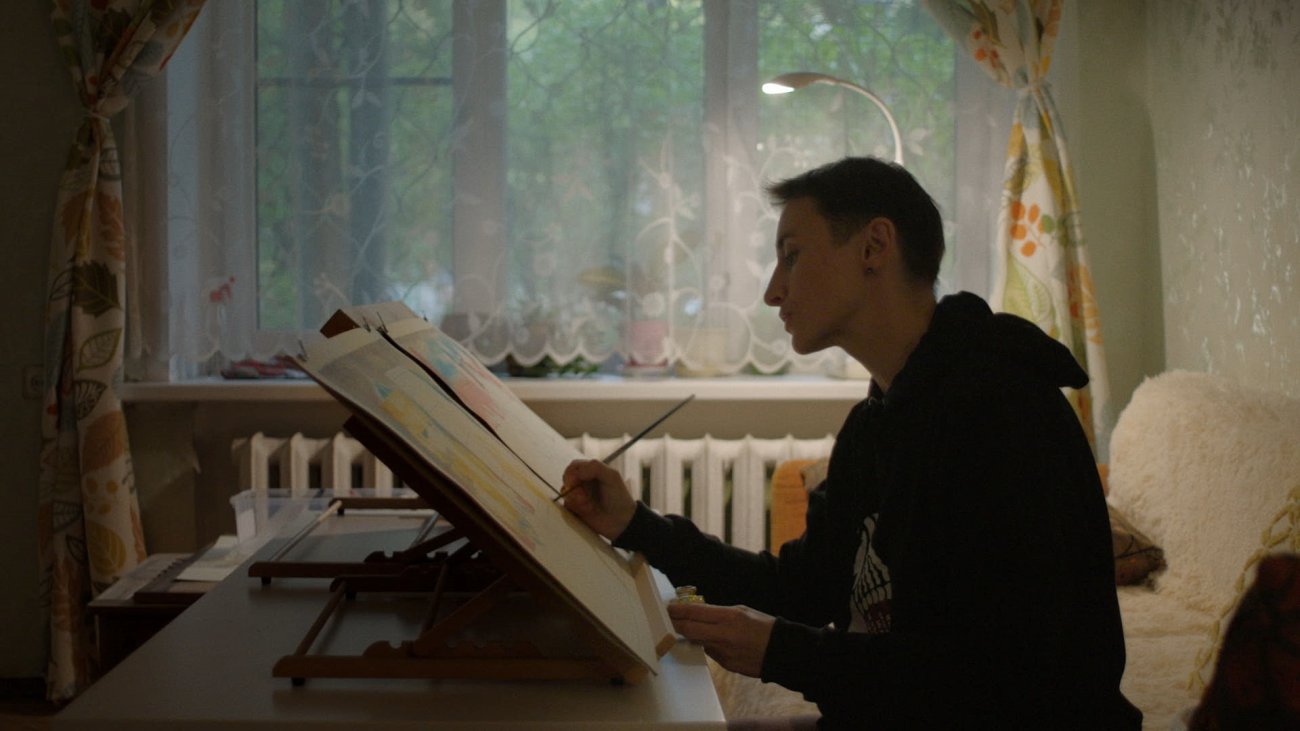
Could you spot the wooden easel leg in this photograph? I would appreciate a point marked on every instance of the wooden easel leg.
(336, 595)
(435, 636)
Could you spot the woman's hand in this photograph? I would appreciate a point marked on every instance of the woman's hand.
(596, 493)
(736, 637)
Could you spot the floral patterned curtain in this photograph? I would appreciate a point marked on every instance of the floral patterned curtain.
(1041, 265)
(88, 517)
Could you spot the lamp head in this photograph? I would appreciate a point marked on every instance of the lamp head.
(788, 82)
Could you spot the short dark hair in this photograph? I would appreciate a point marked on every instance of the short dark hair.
(852, 191)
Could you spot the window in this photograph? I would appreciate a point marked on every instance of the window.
(562, 179)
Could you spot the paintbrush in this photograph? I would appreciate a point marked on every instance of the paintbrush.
(617, 452)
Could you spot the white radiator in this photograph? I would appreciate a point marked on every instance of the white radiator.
(721, 484)
(337, 463)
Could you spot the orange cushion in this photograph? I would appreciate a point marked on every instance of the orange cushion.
(789, 502)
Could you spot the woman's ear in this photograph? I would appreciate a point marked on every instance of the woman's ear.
(877, 241)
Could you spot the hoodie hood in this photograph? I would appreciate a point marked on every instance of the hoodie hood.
(964, 332)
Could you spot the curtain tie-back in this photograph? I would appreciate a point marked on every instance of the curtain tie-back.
(1032, 87)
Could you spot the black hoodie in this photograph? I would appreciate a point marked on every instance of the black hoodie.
(989, 515)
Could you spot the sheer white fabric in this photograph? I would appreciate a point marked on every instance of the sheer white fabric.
(540, 182)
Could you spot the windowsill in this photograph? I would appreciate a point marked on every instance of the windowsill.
(598, 388)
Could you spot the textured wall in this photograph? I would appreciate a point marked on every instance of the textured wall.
(1112, 145)
(41, 116)
(1225, 113)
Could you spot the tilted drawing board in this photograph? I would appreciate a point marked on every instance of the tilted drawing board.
(487, 491)
(469, 382)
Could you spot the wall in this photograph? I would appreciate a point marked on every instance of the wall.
(35, 133)
(1186, 142)
(1223, 104)
(1111, 141)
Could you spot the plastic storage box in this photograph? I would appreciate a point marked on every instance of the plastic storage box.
(259, 514)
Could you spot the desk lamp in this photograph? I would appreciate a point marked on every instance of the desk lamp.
(786, 83)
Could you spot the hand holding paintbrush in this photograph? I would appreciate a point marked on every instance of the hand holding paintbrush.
(616, 453)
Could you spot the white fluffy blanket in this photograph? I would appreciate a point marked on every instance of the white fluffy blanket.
(1162, 638)
(745, 697)
(1203, 467)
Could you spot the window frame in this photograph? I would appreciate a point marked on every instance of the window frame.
(731, 95)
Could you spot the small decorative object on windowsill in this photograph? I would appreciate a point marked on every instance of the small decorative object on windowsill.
(278, 367)
(704, 351)
(641, 292)
(647, 344)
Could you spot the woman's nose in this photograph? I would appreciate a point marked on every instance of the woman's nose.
(775, 292)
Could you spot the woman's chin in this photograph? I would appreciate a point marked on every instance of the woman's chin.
(805, 348)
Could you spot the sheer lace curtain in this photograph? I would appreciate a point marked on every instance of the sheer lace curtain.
(546, 182)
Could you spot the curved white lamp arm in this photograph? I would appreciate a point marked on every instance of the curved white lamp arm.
(786, 83)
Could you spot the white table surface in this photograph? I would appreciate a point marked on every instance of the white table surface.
(211, 667)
